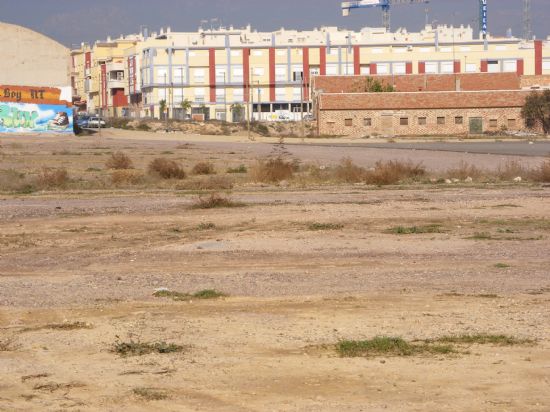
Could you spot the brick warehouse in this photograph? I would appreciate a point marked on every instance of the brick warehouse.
(419, 114)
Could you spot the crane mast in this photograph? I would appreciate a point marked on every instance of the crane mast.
(385, 5)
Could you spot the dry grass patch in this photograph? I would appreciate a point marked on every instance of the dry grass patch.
(272, 170)
(215, 201)
(484, 339)
(132, 348)
(203, 168)
(348, 172)
(389, 346)
(7, 345)
(150, 394)
(315, 226)
(465, 170)
(403, 230)
(542, 173)
(119, 161)
(166, 169)
(205, 294)
(207, 183)
(393, 172)
(50, 178)
(131, 177)
(14, 181)
(65, 326)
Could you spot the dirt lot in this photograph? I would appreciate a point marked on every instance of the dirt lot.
(303, 267)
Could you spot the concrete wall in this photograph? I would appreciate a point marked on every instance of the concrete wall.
(32, 59)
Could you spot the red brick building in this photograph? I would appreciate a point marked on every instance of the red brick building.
(423, 105)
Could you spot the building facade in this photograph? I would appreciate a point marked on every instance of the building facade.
(269, 74)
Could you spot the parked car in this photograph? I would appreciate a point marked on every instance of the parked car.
(96, 122)
(82, 121)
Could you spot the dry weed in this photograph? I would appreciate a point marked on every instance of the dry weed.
(272, 170)
(465, 170)
(132, 177)
(203, 168)
(394, 171)
(348, 172)
(166, 169)
(119, 161)
(53, 177)
(542, 173)
(209, 183)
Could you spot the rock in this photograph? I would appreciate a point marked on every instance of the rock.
(448, 181)
(518, 179)
(283, 183)
(455, 180)
(468, 180)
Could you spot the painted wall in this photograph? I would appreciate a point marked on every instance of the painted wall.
(34, 110)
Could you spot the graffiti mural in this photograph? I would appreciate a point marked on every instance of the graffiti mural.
(35, 118)
(35, 110)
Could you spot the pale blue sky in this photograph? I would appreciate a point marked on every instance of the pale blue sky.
(73, 21)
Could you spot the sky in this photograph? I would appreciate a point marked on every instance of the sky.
(74, 21)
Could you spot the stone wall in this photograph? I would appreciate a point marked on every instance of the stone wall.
(361, 123)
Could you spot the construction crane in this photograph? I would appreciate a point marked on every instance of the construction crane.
(385, 5)
(527, 27)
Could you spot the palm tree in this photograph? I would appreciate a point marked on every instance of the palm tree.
(162, 106)
(185, 105)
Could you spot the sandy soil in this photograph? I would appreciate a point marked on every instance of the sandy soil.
(97, 257)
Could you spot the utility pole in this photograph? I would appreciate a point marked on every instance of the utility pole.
(249, 105)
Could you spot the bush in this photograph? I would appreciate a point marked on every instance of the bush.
(542, 173)
(510, 170)
(166, 169)
(119, 161)
(52, 177)
(261, 129)
(348, 172)
(272, 170)
(239, 169)
(392, 172)
(144, 127)
(465, 170)
(203, 168)
(127, 177)
(13, 181)
(215, 201)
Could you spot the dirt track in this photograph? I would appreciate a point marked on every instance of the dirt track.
(97, 258)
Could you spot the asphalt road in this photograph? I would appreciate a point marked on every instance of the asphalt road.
(495, 148)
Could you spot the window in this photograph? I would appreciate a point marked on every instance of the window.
(280, 94)
(332, 69)
(178, 96)
(404, 121)
(179, 75)
(348, 122)
(441, 120)
(365, 70)
(512, 123)
(377, 51)
(199, 75)
(162, 75)
(459, 120)
(220, 94)
(471, 67)
(447, 67)
(510, 66)
(257, 53)
(493, 123)
(421, 121)
(296, 93)
(546, 65)
(258, 71)
(333, 51)
(432, 67)
(297, 73)
(493, 66)
(238, 95)
(199, 94)
(367, 121)
(161, 93)
(235, 53)
(237, 74)
(221, 76)
(281, 73)
(382, 68)
(348, 69)
(399, 68)
(281, 52)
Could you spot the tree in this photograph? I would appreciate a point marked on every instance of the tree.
(238, 111)
(162, 107)
(536, 111)
(370, 85)
(185, 105)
